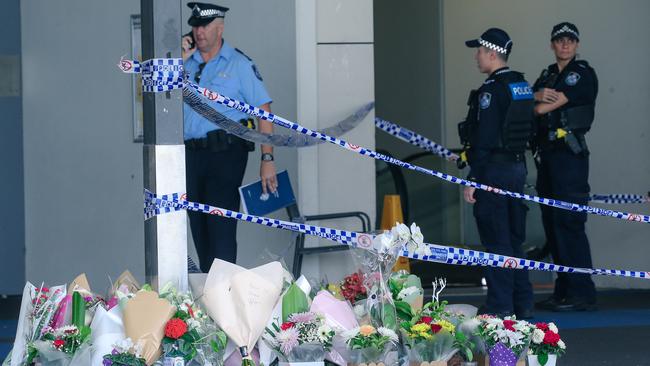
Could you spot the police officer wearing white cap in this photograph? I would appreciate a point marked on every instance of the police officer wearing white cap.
(566, 95)
(495, 134)
(215, 160)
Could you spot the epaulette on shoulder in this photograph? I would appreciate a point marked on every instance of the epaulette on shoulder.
(488, 81)
(582, 63)
(243, 54)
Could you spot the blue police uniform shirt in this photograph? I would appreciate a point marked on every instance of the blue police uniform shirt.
(230, 73)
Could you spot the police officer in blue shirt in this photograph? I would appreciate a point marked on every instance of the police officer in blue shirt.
(495, 133)
(215, 160)
(566, 95)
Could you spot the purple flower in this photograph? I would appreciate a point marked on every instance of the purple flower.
(88, 298)
(302, 317)
(107, 362)
(287, 339)
(115, 352)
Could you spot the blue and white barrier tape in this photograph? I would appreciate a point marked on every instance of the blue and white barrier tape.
(414, 138)
(157, 205)
(257, 112)
(424, 143)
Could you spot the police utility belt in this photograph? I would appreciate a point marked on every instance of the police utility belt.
(574, 123)
(219, 140)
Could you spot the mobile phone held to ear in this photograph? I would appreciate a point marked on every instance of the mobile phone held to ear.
(192, 42)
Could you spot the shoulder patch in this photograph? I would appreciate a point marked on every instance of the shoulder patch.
(257, 72)
(243, 54)
(520, 91)
(484, 100)
(572, 79)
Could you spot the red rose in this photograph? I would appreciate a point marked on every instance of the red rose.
(435, 328)
(286, 325)
(508, 324)
(175, 328)
(58, 343)
(551, 338)
(542, 326)
(426, 320)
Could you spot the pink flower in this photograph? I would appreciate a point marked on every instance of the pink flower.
(302, 317)
(288, 339)
(541, 326)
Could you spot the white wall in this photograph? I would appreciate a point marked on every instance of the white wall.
(335, 76)
(83, 173)
(614, 41)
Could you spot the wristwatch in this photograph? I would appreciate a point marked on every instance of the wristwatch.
(267, 157)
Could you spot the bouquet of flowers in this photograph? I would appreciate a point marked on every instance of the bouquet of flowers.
(37, 309)
(376, 262)
(352, 288)
(407, 293)
(125, 353)
(505, 339)
(366, 344)
(304, 337)
(429, 335)
(545, 344)
(190, 334)
(64, 346)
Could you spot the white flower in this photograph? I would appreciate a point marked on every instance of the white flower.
(538, 336)
(416, 235)
(561, 344)
(383, 243)
(350, 333)
(386, 332)
(192, 323)
(124, 345)
(553, 328)
(423, 250)
(401, 233)
(407, 291)
(324, 333)
(183, 308)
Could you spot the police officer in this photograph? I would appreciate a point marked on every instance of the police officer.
(216, 161)
(496, 131)
(566, 94)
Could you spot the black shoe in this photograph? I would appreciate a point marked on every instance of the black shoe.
(525, 314)
(483, 310)
(574, 305)
(548, 304)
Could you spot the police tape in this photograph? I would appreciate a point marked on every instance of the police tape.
(200, 105)
(424, 143)
(260, 113)
(414, 138)
(160, 204)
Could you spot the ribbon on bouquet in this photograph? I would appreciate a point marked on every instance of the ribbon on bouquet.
(170, 79)
(160, 204)
(424, 143)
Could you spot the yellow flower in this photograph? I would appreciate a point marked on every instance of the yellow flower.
(426, 335)
(420, 328)
(366, 330)
(446, 325)
(335, 290)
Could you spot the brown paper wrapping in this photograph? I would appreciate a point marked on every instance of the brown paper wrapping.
(145, 317)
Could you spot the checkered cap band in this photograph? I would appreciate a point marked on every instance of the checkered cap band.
(565, 29)
(492, 46)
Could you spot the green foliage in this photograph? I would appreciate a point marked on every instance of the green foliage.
(294, 301)
(464, 345)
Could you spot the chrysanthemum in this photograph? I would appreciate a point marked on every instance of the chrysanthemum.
(305, 317)
(287, 339)
(386, 332)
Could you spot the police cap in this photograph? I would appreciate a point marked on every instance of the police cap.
(565, 29)
(204, 13)
(494, 39)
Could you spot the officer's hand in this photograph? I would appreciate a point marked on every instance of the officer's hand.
(186, 51)
(547, 95)
(468, 193)
(269, 179)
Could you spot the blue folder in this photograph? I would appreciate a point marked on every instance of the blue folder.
(254, 202)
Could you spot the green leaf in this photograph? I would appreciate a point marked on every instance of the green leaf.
(78, 310)
(294, 301)
(542, 358)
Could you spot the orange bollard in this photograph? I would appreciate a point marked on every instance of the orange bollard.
(391, 214)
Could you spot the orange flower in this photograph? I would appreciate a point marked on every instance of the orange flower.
(366, 330)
